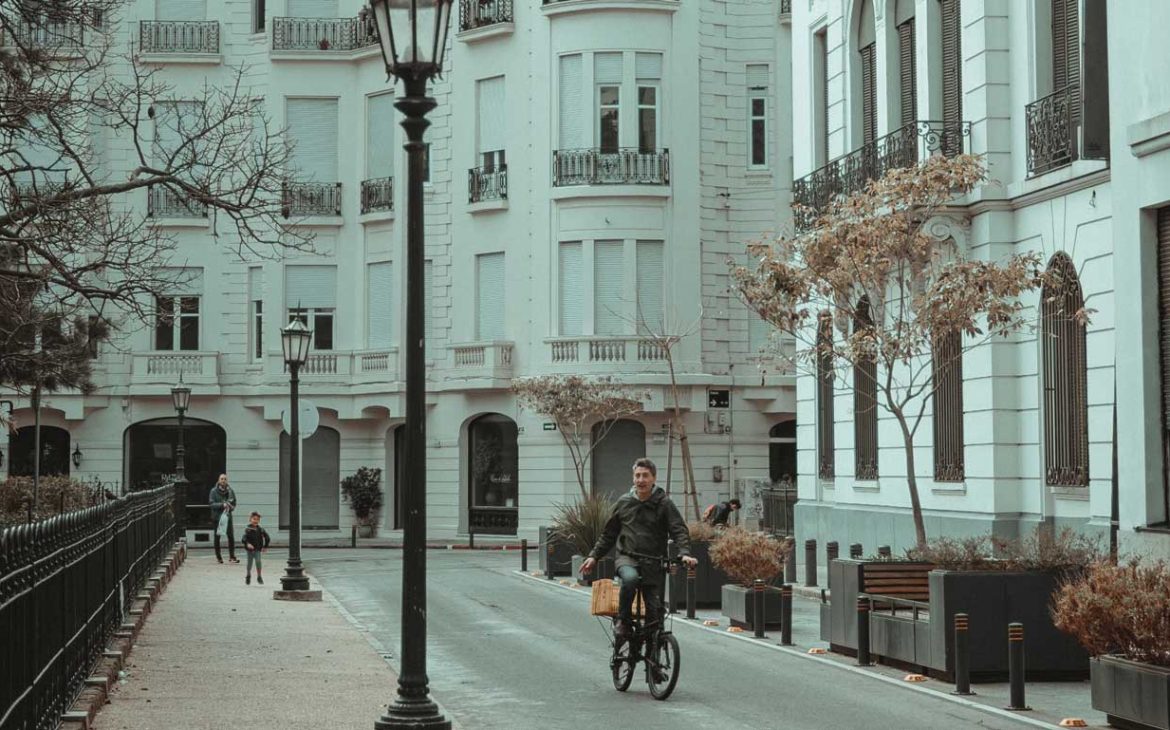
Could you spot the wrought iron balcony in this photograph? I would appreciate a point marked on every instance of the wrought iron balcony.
(178, 36)
(162, 202)
(377, 194)
(311, 198)
(23, 193)
(44, 34)
(1052, 131)
(630, 166)
(849, 174)
(323, 34)
(785, 7)
(480, 13)
(487, 183)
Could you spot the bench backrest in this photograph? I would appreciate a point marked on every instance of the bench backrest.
(908, 581)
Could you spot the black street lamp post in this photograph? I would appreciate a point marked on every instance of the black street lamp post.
(181, 398)
(413, 38)
(294, 341)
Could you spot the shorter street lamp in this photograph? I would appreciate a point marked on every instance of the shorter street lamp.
(294, 343)
(181, 398)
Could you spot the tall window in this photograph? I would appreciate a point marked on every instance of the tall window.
(256, 313)
(907, 64)
(648, 70)
(489, 297)
(1163, 225)
(490, 97)
(947, 398)
(176, 325)
(380, 305)
(312, 128)
(609, 273)
(258, 13)
(867, 48)
(952, 72)
(648, 282)
(1066, 411)
(380, 144)
(571, 109)
(820, 92)
(611, 287)
(865, 421)
(571, 289)
(825, 416)
(607, 76)
(310, 294)
(757, 83)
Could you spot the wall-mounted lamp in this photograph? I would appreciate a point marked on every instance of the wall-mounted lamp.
(77, 455)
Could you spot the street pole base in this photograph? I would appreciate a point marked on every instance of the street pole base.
(963, 694)
(296, 595)
(412, 715)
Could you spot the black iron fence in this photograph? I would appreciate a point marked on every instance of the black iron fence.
(631, 166)
(904, 147)
(777, 508)
(162, 202)
(178, 36)
(44, 34)
(66, 583)
(311, 198)
(323, 34)
(377, 194)
(487, 183)
(480, 13)
(1052, 127)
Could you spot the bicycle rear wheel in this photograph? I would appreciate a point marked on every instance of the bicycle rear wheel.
(622, 665)
(662, 667)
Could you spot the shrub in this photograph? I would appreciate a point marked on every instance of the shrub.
(1118, 609)
(1040, 551)
(748, 556)
(580, 523)
(56, 494)
(702, 531)
(363, 491)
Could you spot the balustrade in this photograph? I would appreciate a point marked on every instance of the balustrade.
(611, 167)
(178, 36)
(323, 34)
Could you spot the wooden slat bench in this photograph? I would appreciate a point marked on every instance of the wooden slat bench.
(901, 584)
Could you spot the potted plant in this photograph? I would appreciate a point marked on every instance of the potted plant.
(579, 524)
(1121, 615)
(747, 557)
(709, 580)
(363, 491)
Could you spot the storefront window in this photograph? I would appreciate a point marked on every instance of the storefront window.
(495, 461)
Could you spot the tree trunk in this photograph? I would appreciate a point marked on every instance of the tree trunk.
(689, 468)
(912, 483)
(681, 429)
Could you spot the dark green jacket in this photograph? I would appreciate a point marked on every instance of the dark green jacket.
(218, 500)
(643, 527)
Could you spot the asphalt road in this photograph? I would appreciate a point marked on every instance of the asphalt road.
(508, 652)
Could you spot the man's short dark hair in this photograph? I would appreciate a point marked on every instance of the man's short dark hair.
(646, 464)
(735, 503)
(255, 514)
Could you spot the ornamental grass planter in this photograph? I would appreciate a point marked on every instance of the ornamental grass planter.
(562, 553)
(709, 580)
(1132, 695)
(738, 605)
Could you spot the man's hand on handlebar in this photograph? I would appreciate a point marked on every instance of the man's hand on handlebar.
(690, 561)
(587, 566)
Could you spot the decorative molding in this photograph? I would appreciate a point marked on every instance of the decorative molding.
(1149, 135)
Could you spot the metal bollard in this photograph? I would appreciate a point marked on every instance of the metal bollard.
(962, 656)
(884, 551)
(786, 615)
(1016, 666)
(524, 555)
(690, 591)
(832, 551)
(758, 607)
(790, 560)
(353, 536)
(548, 561)
(863, 632)
(810, 563)
(855, 551)
(470, 540)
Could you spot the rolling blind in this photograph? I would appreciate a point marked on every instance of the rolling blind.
(180, 9)
(380, 305)
(491, 114)
(608, 287)
(312, 126)
(907, 72)
(757, 75)
(571, 112)
(310, 287)
(607, 68)
(650, 288)
(489, 296)
(312, 8)
(380, 144)
(255, 283)
(571, 290)
(647, 66)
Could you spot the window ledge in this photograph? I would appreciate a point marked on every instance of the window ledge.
(484, 32)
(873, 487)
(180, 57)
(323, 221)
(826, 483)
(610, 191)
(563, 7)
(1059, 176)
(377, 216)
(1071, 494)
(1159, 529)
(180, 222)
(484, 206)
(360, 54)
(1149, 135)
(949, 489)
(758, 173)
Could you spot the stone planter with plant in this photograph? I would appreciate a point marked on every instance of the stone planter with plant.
(709, 580)
(747, 557)
(1121, 615)
(580, 524)
(363, 491)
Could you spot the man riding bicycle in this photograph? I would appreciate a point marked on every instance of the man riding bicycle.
(639, 525)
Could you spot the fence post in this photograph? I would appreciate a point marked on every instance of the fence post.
(524, 555)
(855, 551)
(690, 591)
(790, 560)
(549, 559)
(863, 632)
(786, 614)
(1016, 666)
(758, 607)
(962, 658)
(810, 563)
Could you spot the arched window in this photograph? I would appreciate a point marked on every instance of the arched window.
(950, 41)
(494, 476)
(907, 63)
(947, 364)
(867, 68)
(824, 356)
(782, 452)
(1066, 408)
(865, 421)
(149, 453)
(54, 451)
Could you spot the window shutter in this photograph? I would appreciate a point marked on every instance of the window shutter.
(310, 287)
(180, 9)
(908, 72)
(1066, 52)
(822, 49)
(571, 289)
(947, 363)
(182, 281)
(952, 66)
(865, 420)
(380, 123)
(489, 296)
(380, 305)
(825, 426)
(491, 114)
(572, 111)
(868, 95)
(312, 8)
(255, 283)
(1065, 375)
(312, 125)
(607, 68)
(608, 287)
(647, 66)
(650, 288)
(1164, 309)
(757, 75)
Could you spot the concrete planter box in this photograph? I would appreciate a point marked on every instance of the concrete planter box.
(366, 531)
(1131, 694)
(602, 571)
(562, 554)
(709, 581)
(739, 606)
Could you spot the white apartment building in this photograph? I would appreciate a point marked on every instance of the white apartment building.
(592, 166)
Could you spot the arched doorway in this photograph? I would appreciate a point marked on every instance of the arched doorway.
(320, 480)
(493, 481)
(782, 452)
(621, 443)
(150, 448)
(54, 451)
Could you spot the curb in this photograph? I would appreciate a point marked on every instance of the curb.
(104, 675)
(344, 544)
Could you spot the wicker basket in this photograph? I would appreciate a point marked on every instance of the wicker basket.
(604, 599)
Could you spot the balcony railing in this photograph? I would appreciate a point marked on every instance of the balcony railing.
(611, 167)
(482, 360)
(480, 13)
(1052, 130)
(165, 367)
(785, 7)
(355, 366)
(311, 198)
(849, 174)
(162, 202)
(45, 34)
(178, 36)
(487, 183)
(607, 350)
(24, 193)
(322, 34)
(377, 194)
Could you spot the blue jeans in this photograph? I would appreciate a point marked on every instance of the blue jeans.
(631, 579)
(254, 557)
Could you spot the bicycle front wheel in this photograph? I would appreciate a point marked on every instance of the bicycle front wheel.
(662, 667)
(623, 666)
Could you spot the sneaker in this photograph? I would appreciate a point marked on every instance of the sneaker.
(248, 580)
(234, 559)
(220, 560)
(260, 580)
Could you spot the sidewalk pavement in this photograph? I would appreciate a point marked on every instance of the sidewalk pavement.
(216, 654)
